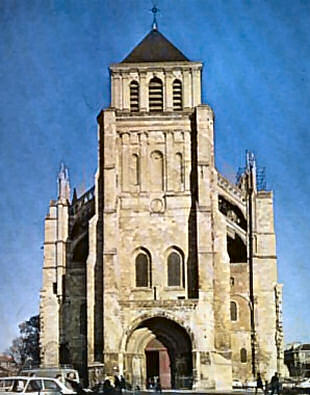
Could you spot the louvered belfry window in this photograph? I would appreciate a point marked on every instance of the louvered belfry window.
(177, 95)
(155, 95)
(134, 96)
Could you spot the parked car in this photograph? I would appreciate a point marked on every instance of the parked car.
(237, 384)
(288, 384)
(304, 386)
(33, 386)
(62, 374)
(250, 385)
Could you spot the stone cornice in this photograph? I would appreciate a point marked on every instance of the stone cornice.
(123, 116)
(154, 66)
(167, 304)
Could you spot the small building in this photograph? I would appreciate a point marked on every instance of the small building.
(297, 359)
(8, 366)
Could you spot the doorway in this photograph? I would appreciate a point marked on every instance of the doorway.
(160, 349)
(157, 365)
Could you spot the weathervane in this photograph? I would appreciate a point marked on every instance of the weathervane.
(154, 10)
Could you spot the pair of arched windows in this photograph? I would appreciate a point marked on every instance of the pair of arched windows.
(175, 269)
(156, 97)
(156, 168)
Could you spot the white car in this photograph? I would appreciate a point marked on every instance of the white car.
(33, 386)
(304, 384)
(237, 384)
(62, 374)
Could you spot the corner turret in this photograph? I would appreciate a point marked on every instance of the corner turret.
(63, 183)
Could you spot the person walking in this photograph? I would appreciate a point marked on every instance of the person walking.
(259, 383)
(117, 384)
(275, 384)
(158, 385)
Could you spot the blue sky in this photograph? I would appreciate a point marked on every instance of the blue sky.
(54, 80)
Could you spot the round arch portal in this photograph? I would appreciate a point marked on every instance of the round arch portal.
(159, 349)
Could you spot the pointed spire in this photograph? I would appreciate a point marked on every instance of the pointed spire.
(74, 198)
(63, 183)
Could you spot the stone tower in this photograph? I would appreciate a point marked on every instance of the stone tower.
(164, 270)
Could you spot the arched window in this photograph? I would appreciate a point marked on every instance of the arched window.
(155, 95)
(134, 96)
(135, 169)
(157, 171)
(233, 311)
(143, 272)
(243, 355)
(175, 270)
(177, 95)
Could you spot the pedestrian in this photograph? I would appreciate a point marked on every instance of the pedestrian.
(123, 383)
(275, 384)
(158, 385)
(151, 383)
(75, 385)
(259, 383)
(266, 387)
(117, 384)
(107, 387)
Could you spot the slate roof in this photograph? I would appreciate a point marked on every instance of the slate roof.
(155, 48)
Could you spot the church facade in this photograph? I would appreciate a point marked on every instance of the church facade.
(164, 270)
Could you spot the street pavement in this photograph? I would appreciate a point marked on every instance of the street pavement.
(210, 392)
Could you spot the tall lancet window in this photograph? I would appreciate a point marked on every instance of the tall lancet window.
(180, 171)
(175, 270)
(233, 311)
(243, 355)
(157, 171)
(143, 270)
(135, 169)
(155, 95)
(177, 95)
(134, 96)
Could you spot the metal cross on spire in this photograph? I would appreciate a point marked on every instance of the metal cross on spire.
(154, 11)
